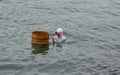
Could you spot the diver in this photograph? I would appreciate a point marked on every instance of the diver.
(59, 38)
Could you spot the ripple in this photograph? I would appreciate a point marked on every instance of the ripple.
(114, 71)
(111, 70)
(114, 27)
(11, 66)
(117, 46)
(100, 67)
(101, 47)
(75, 2)
(73, 10)
(112, 13)
(42, 8)
(117, 3)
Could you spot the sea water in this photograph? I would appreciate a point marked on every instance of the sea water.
(92, 29)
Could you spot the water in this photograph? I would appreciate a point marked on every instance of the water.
(92, 28)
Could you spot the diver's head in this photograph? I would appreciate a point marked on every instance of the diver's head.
(59, 32)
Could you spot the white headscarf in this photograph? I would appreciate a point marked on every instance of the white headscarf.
(59, 30)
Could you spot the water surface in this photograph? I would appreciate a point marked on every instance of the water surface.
(92, 28)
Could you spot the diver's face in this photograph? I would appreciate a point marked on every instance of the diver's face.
(58, 34)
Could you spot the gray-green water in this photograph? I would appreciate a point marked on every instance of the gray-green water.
(92, 28)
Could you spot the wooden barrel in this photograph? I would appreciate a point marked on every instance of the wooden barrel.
(40, 37)
(40, 40)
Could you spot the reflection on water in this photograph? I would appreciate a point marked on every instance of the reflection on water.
(38, 51)
(40, 48)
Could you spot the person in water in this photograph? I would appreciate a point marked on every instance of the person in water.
(59, 38)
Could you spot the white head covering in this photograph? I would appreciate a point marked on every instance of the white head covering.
(62, 37)
(59, 30)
